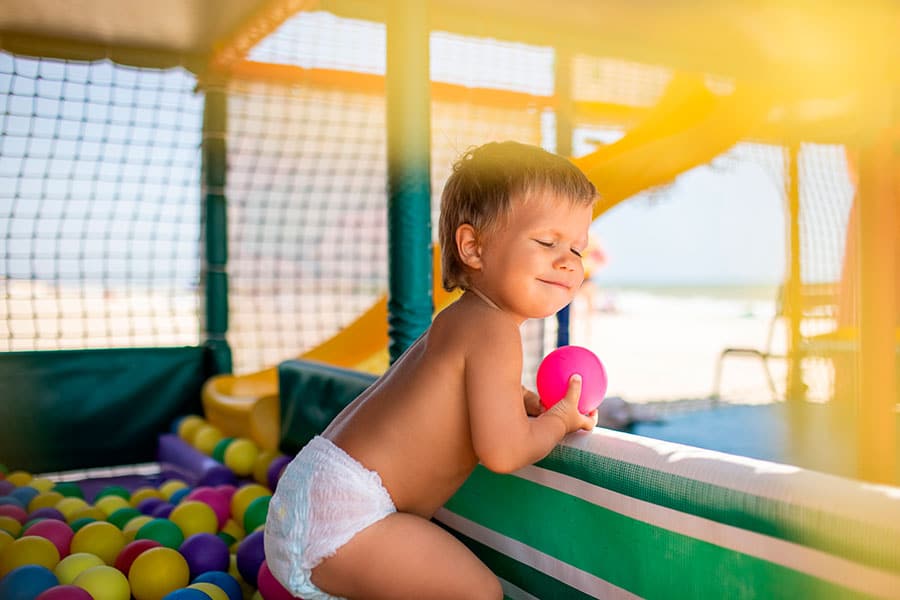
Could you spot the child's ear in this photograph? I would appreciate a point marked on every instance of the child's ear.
(468, 247)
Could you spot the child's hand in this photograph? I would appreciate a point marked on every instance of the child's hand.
(533, 406)
(567, 408)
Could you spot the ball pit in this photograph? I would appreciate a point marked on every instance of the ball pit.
(104, 583)
(59, 533)
(100, 538)
(223, 581)
(269, 587)
(163, 531)
(28, 550)
(27, 581)
(211, 590)
(250, 556)
(205, 552)
(92, 539)
(74, 564)
(65, 592)
(157, 572)
(130, 553)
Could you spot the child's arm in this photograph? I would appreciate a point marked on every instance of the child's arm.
(532, 402)
(503, 436)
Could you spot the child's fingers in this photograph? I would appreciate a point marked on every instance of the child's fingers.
(574, 390)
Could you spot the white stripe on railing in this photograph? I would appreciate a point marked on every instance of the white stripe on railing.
(800, 558)
(571, 576)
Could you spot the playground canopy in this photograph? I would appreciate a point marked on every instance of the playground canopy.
(805, 49)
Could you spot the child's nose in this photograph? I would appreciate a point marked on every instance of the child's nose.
(567, 262)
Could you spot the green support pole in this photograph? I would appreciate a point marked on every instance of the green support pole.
(215, 228)
(410, 302)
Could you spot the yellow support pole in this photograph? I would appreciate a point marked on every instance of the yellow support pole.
(878, 198)
(793, 293)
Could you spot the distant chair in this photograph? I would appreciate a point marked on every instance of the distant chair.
(818, 332)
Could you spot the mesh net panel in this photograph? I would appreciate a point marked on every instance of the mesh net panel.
(307, 216)
(99, 205)
(307, 179)
(826, 201)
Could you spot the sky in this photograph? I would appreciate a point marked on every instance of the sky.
(709, 228)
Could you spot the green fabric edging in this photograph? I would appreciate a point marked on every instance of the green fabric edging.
(854, 539)
(519, 574)
(646, 560)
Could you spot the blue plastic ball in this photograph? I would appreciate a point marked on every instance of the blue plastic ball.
(27, 582)
(226, 582)
(186, 594)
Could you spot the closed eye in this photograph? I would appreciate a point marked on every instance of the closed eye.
(577, 253)
(546, 244)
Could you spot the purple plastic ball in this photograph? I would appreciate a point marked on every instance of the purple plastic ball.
(273, 473)
(47, 512)
(147, 505)
(162, 511)
(250, 556)
(218, 475)
(205, 552)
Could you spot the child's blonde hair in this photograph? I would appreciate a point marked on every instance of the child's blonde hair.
(483, 183)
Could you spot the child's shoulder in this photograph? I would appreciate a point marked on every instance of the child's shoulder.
(473, 319)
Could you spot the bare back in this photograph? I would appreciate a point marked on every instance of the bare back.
(413, 425)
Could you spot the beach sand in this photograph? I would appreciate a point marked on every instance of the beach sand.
(664, 347)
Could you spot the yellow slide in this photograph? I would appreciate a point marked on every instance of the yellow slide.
(689, 126)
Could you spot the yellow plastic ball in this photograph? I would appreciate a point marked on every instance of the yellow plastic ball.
(244, 496)
(41, 484)
(6, 539)
(233, 529)
(90, 512)
(131, 528)
(193, 517)
(261, 466)
(156, 572)
(110, 504)
(10, 525)
(240, 456)
(104, 583)
(100, 538)
(171, 486)
(74, 564)
(189, 426)
(28, 550)
(206, 438)
(211, 590)
(70, 506)
(44, 500)
(142, 493)
(19, 478)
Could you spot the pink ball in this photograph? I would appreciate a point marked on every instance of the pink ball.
(269, 587)
(58, 532)
(65, 592)
(557, 367)
(16, 512)
(216, 500)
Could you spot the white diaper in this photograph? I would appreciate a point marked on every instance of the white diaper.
(323, 498)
